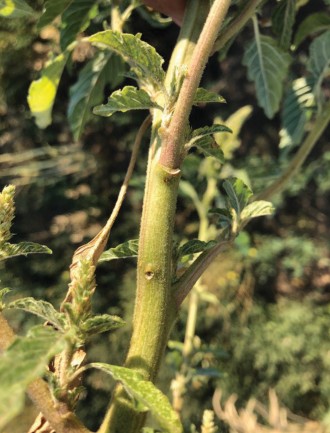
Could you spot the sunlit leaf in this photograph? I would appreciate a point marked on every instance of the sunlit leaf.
(283, 20)
(238, 193)
(257, 209)
(144, 60)
(52, 8)
(15, 9)
(101, 323)
(319, 62)
(105, 68)
(8, 250)
(23, 362)
(42, 92)
(128, 98)
(204, 96)
(146, 393)
(312, 24)
(267, 67)
(195, 246)
(40, 308)
(122, 251)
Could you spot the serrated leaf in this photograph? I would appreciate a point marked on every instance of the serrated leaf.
(312, 24)
(319, 61)
(296, 111)
(23, 362)
(283, 20)
(15, 9)
(121, 251)
(101, 323)
(144, 60)
(195, 246)
(267, 67)
(257, 209)
(52, 9)
(204, 96)
(8, 250)
(42, 92)
(146, 393)
(238, 194)
(87, 92)
(76, 19)
(42, 309)
(128, 98)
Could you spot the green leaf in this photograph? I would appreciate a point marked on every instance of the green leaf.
(104, 68)
(8, 250)
(52, 9)
(42, 92)
(195, 246)
(314, 23)
(238, 194)
(146, 393)
(319, 62)
(283, 20)
(128, 98)
(267, 67)
(224, 217)
(15, 9)
(3, 293)
(145, 62)
(122, 251)
(42, 309)
(257, 209)
(296, 111)
(101, 323)
(204, 141)
(204, 96)
(76, 19)
(23, 362)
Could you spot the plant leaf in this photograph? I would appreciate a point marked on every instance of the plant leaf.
(146, 393)
(283, 20)
(121, 251)
(296, 111)
(224, 217)
(195, 246)
(101, 323)
(267, 67)
(42, 309)
(144, 60)
(52, 9)
(15, 9)
(8, 250)
(42, 92)
(23, 362)
(204, 96)
(104, 68)
(204, 141)
(257, 209)
(312, 24)
(75, 19)
(128, 98)
(319, 62)
(238, 194)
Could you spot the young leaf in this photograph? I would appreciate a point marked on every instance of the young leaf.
(203, 140)
(128, 98)
(8, 250)
(257, 209)
(296, 111)
(42, 92)
(122, 251)
(238, 194)
(42, 309)
(224, 217)
(195, 246)
(52, 9)
(267, 66)
(15, 9)
(319, 61)
(87, 92)
(144, 60)
(75, 19)
(283, 20)
(146, 393)
(23, 362)
(101, 323)
(312, 24)
(204, 96)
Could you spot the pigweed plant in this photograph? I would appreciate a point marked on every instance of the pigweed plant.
(167, 272)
